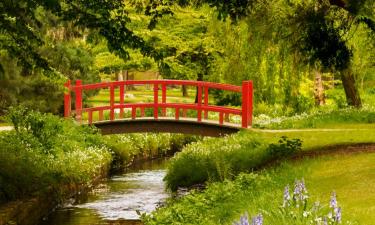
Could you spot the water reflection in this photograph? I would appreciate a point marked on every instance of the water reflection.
(140, 189)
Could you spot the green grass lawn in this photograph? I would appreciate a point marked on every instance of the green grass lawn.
(351, 176)
(142, 95)
(317, 139)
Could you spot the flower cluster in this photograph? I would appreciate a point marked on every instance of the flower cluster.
(300, 194)
(335, 214)
(295, 208)
(244, 220)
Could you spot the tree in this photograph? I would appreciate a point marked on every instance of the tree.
(323, 30)
(20, 26)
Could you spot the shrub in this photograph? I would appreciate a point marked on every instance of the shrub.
(44, 151)
(284, 148)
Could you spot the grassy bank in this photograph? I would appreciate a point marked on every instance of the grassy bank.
(220, 159)
(45, 152)
(321, 118)
(351, 176)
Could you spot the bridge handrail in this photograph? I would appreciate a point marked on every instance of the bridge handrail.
(225, 87)
(202, 88)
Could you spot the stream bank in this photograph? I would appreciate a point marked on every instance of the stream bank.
(117, 200)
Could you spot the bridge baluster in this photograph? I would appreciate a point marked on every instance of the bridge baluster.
(156, 99)
(134, 112)
(221, 118)
(112, 102)
(199, 111)
(78, 90)
(90, 116)
(122, 93)
(177, 114)
(247, 103)
(164, 98)
(206, 102)
(101, 116)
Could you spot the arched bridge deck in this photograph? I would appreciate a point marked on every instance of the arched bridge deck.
(118, 121)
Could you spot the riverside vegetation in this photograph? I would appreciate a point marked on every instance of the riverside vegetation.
(44, 152)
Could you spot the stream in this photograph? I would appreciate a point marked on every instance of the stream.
(117, 200)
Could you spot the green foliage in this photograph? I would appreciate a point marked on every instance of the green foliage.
(284, 148)
(219, 159)
(44, 151)
(126, 148)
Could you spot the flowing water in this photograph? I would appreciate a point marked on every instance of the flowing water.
(117, 201)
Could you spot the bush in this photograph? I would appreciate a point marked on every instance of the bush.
(284, 148)
(44, 151)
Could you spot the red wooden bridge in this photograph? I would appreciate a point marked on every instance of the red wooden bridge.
(159, 122)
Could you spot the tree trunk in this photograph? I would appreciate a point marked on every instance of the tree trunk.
(351, 91)
(319, 89)
(184, 91)
(119, 76)
(199, 78)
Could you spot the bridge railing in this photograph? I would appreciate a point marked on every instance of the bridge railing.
(202, 104)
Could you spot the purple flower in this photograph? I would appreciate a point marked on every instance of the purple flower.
(258, 220)
(300, 191)
(325, 222)
(337, 216)
(333, 201)
(244, 220)
(286, 196)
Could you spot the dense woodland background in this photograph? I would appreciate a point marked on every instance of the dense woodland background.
(300, 54)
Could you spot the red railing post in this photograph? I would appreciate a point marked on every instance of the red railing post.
(205, 102)
(90, 117)
(156, 99)
(122, 92)
(245, 104)
(164, 98)
(67, 99)
(251, 102)
(199, 111)
(112, 102)
(78, 92)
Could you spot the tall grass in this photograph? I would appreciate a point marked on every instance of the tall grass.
(218, 159)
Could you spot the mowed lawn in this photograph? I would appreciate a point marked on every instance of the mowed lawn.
(317, 139)
(351, 176)
(141, 95)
